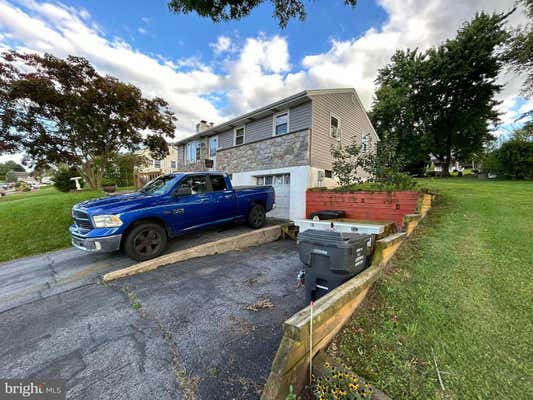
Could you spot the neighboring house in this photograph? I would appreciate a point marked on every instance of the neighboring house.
(286, 144)
(167, 165)
(455, 165)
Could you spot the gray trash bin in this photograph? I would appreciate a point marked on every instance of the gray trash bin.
(330, 259)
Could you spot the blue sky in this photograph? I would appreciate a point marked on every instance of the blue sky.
(215, 71)
(154, 29)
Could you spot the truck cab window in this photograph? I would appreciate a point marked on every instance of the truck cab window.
(218, 183)
(197, 184)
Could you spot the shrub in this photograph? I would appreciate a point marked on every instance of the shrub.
(11, 176)
(108, 181)
(516, 159)
(62, 179)
(22, 187)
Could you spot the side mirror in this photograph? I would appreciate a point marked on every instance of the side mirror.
(183, 191)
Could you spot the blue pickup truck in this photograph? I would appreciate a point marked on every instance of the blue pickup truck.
(140, 223)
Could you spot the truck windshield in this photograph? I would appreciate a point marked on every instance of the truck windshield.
(160, 185)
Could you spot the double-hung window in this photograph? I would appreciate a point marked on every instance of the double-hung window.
(334, 126)
(193, 151)
(157, 163)
(239, 136)
(281, 123)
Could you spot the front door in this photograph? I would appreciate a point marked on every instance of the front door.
(213, 146)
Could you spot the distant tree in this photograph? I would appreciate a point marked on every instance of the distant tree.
(10, 166)
(516, 159)
(226, 10)
(441, 101)
(525, 133)
(11, 176)
(519, 52)
(63, 112)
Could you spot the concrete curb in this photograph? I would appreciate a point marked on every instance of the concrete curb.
(239, 242)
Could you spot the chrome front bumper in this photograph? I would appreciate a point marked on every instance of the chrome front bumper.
(98, 244)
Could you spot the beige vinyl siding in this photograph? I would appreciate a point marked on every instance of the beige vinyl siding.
(262, 128)
(300, 117)
(259, 129)
(225, 139)
(353, 122)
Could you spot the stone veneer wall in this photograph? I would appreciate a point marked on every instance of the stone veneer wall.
(289, 150)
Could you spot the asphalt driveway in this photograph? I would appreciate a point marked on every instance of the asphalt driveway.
(32, 278)
(206, 328)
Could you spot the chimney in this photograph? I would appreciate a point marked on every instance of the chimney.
(202, 126)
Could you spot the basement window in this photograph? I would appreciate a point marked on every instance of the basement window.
(328, 173)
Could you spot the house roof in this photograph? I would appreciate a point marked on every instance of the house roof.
(295, 99)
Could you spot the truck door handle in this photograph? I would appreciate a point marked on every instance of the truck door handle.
(204, 200)
(228, 196)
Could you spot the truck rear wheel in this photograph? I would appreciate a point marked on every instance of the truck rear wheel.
(145, 241)
(256, 216)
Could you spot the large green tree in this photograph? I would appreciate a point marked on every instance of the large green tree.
(395, 113)
(441, 101)
(225, 10)
(61, 111)
(519, 52)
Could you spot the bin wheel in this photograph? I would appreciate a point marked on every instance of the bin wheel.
(145, 241)
(256, 216)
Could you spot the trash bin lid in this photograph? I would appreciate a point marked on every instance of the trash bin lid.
(332, 238)
(327, 214)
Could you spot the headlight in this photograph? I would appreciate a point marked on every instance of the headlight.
(106, 221)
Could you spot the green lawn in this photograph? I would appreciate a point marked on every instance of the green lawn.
(462, 286)
(36, 222)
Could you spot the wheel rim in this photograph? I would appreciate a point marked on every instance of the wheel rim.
(147, 242)
(257, 217)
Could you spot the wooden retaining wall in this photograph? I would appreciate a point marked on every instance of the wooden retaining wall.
(330, 314)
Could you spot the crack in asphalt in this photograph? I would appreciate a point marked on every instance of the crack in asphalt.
(187, 383)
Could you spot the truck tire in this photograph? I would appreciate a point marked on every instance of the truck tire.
(145, 241)
(256, 216)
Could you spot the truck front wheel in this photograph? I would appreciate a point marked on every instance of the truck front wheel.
(256, 216)
(145, 241)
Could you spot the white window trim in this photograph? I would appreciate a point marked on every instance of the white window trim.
(288, 112)
(339, 129)
(191, 146)
(209, 146)
(243, 135)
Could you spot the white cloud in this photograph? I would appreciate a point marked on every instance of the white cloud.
(222, 45)
(255, 71)
(46, 27)
(142, 30)
(261, 74)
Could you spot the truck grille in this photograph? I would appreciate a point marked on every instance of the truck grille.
(82, 219)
